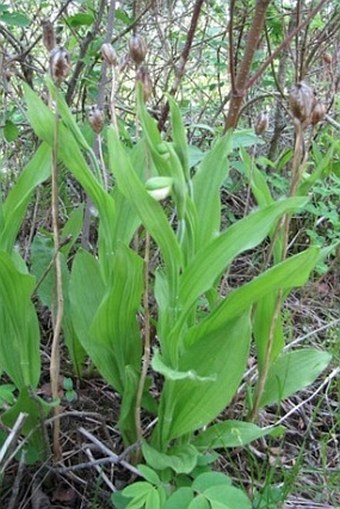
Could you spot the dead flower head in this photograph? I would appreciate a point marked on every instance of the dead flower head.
(59, 64)
(302, 101)
(137, 48)
(96, 118)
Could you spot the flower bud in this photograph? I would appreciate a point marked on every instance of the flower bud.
(318, 113)
(96, 118)
(143, 76)
(109, 54)
(159, 188)
(48, 35)
(59, 64)
(301, 102)
(262, 123)
(137, 49)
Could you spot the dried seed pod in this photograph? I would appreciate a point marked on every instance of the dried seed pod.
(327, 58)
(143, 76)
(48, 35)
(96, 118)
(262, 123)
(137, 48)
(109, 54)
(318, 113)
(301, 102)
(59, 64)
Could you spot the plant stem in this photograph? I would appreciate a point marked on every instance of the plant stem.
(57, 314)
(281, 229)
(146, 355)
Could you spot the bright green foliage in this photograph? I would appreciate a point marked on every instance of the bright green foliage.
(292, 372)
(230, 434)
(19, 328)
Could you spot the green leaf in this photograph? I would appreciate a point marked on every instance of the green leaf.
(11, 131)
(115, 337)
(206, 185)
(291, 273)
(15, 205)
(179, 136)
(230, 434)
(246, 138)
(186, 405)
(199, 502)
(180, 499)
(153, 500)
(137, 489)
(181, 458)
(263, 318)
(229, 496)
(149, 474)
(80, 19)
(150, 211)
(19, 327)
(15, 19)
(159, 366)
(43, 123)
(208, 479)
(293, 371)
(213, 259)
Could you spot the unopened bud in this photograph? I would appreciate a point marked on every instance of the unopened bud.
(327, 58)
(59, 64)
(96, 118)
(109, 54)
(143, 76)
(302, 101)
(318, 113)
(159, 188)
(137, 49)
(262, 123)
(48, 35)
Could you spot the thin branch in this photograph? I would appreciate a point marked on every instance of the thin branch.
(182, 61)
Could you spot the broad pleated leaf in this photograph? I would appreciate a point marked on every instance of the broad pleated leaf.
(187, 405)
(293, 371)
(43, 121)
(19, 328)
(179, 136)
(181, 458)
(150, 211)
(206, 188)
(212, 260)
(15, 205)
(262, 323)
(230, 434)
(291, 273)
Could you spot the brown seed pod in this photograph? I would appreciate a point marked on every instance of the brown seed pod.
(318, 113)
(302, 101)
(137, 48)
(327, 58)
(96, 118)
(48, 35)
(262, 123)
(109, 54)
(143, 76)
(59, 64)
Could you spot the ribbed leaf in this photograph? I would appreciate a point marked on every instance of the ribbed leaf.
(14, 207)
(179, 136)
(187, 405)
(292, 372)
(230, 434)
(212, 260)
(42, 121)
(206, 189)
(291, 273)
(19, 328)
(150, 211)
